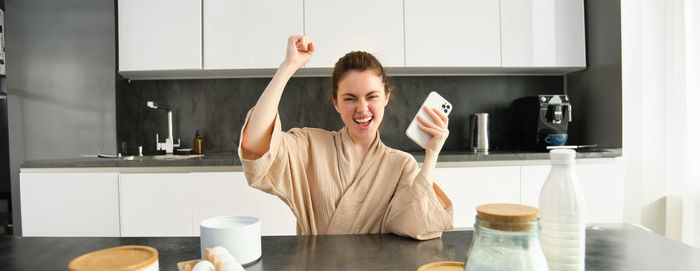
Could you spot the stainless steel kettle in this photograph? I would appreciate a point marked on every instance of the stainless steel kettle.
(479, 132)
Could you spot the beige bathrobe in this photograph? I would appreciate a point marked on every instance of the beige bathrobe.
(331, 191)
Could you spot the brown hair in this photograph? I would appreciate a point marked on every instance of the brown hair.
(357, 61)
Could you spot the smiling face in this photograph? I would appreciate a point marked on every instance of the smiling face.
(360, 101)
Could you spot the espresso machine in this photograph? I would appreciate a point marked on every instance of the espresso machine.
(537, 117)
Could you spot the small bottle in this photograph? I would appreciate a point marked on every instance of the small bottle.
(562, 213)
(197, 145)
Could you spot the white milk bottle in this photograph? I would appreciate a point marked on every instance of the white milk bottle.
(563, 231)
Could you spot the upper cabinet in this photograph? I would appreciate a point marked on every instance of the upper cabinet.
(160, 35)
(337, 27)
(243, 34)
(452, 33)
(168, 39)
(543, 33)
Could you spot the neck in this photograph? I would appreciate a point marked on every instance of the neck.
(362, 145)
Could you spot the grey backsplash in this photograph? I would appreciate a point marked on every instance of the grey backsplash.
(217, 108)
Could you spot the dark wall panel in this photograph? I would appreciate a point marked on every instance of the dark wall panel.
(60, 80)
(596, 93)
(218, 107)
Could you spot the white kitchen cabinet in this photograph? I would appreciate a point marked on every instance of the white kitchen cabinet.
(242, 34)
(337, 27)
(604, 188)
(228, 193)
(543, 33)
(174, 204)
(160, 35)
(452, 33)
(602, 183)
(469, 187)
(70, 204)
(162, 39)
(532, 180)
(155, 204)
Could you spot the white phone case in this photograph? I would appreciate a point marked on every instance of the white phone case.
(434, 100)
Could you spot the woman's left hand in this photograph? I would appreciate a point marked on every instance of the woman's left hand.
(438, 130)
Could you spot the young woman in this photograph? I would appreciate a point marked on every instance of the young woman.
(347, 181)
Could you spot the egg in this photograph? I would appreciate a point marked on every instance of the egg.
(233, 266)
(204, 266)
(230, 262)
(220, 250)
(224, 258)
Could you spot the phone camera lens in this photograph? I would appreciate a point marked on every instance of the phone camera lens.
(448, 106)
(443, 106)
(445, 111)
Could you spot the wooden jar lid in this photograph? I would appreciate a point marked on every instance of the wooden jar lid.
(499, 215)
(124, 258)
(442, 266)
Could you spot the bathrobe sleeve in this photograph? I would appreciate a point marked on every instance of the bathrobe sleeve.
(280, 169)
(419, 208)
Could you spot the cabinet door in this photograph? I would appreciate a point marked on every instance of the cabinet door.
(452, 33)
(69, 204)
(604, 188)
(160, 35)
(155, 204)
(337, 27)
(602, 182)
(228, 193)
(532, 180)
(242, 34)
(543, 33)
(473, 186)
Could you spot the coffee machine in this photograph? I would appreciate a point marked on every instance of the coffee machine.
(537, 117)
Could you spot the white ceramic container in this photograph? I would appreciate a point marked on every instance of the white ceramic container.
(240, 235)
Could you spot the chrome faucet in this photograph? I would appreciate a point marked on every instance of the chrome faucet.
(169, 143)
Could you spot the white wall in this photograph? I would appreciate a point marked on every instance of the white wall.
(643, 112)
(656, 119)
(691, 201)
(631, 106)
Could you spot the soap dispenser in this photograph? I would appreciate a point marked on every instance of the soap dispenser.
(197, 145)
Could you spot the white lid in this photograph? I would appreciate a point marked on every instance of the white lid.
(562, 156)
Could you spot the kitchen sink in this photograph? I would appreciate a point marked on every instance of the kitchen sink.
(162, 157)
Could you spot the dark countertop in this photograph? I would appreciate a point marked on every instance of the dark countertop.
(466, 156)
(216, 159)
(231, 159)
(608, 247)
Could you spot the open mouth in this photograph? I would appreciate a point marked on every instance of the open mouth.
(363, 120)
(363, 123)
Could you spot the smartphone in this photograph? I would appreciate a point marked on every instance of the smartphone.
(434, 100)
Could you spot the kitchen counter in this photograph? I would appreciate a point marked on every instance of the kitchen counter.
(216, 159)
(608, 247)
(447, 158)
(467, 156)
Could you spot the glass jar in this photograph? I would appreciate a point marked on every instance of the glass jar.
(506, 238)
